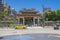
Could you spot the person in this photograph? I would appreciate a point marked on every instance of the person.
(55, 26)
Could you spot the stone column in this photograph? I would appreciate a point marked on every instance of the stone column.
(23, 20)
(38, 21)
(34, 21)
(18, 21)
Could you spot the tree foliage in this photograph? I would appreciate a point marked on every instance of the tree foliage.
(53, 15)
(6, 11)
(1, 15)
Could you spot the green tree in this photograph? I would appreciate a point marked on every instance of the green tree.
(1, 15)
(53, 14)
(58, 14)
(50, 15)
(6, 11)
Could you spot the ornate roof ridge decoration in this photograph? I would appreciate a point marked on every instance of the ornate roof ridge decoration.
(28, 14)
(28, 10)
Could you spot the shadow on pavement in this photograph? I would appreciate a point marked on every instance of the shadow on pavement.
(42, 36)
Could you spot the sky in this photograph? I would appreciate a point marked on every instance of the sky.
(37, 4)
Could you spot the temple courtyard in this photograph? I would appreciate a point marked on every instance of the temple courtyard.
(31, 33)
(29, 30)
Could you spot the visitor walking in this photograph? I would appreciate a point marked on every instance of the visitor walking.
(55, 26)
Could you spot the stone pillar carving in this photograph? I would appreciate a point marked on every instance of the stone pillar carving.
(18, 21)
(34, 21)
(23, 20)
(38, 21)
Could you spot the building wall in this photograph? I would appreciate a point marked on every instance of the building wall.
(47, 10)
(6, 8)
(1, 6)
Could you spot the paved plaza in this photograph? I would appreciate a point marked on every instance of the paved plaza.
(29, 30)
(40, 36)
(31, 33)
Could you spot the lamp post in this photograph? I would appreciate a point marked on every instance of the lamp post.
(42, 14)
(46, 19)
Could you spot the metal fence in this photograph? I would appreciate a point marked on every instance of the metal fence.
(11, 24)
(49, 23)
